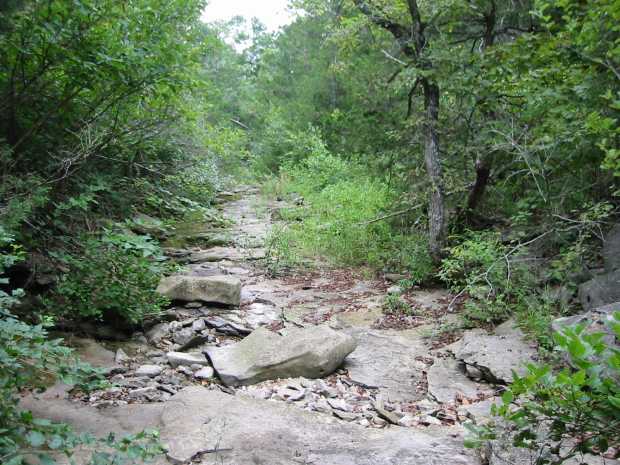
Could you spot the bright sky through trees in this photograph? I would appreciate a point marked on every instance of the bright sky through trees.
(272, 13)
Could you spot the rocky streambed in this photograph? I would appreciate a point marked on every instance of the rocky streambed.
(303, 369)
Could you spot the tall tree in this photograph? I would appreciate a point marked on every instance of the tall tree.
(412, 41)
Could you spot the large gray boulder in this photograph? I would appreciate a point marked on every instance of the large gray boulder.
(601, 290)
(311, 352)
(494, 357)
(216, 289)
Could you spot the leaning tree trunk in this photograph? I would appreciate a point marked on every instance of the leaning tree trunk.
(436, 210)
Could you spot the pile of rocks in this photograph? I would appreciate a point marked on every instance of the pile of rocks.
(193, 332)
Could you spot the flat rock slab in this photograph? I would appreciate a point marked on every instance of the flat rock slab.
(92, 352)
(495, 356)
(311, 352)
(387, 360)
(252, 431)
(219, 254)
(446, 382)
(216, 289)
(122, 421)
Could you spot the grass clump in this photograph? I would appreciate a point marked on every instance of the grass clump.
(338, 217)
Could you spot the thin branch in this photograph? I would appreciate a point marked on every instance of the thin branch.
(391, 57)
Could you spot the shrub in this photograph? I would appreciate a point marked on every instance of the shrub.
(482, 267)
(395, 305)
(113, 276)
(29, 360)
(280, 252)
(340, 217)
(564, 413)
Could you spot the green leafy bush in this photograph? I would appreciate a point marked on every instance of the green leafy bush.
(340, 217)
(565, 413)
(395, 305)
(482, 268)
(280, 251)
(112, 276)
(30, 360)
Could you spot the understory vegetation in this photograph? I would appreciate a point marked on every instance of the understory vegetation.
(471, 145)
(114, 128)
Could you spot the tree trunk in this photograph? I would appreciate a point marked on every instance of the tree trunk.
(483, 171)
(436, 208)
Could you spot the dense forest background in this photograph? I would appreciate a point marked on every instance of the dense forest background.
(471, 144)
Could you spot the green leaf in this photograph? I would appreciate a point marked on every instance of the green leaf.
(615, 401)
(507, 397)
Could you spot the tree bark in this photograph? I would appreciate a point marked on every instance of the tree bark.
(436, 210)
(412, 42)
(483, 171)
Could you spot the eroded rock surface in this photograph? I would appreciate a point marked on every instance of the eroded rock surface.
(250, 431)
(391, 362)
(447, 381)
(493, 357)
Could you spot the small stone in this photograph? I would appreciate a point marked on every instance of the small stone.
(364, 422)
(339, 404)
(395, 290)
(149, 370)
(380, 422)
(139, 337)
(305, 383)
(429, 420)
(193, 305)
(157, 333)
(121, 356)
(172, 380)
(198, 325)
(116, 370)
(176, 359)
(117, 378)
(386, 415)
(186, 322)
(427, 406)
(321, 406)
(137, 393)
(346, 416)
(185, 370)
(183, 336)
(407, 421)
(204, 373)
